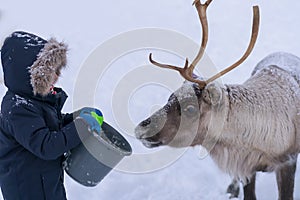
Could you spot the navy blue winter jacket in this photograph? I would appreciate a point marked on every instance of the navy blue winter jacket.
(34, 134)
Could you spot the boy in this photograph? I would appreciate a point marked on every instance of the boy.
(34, 134)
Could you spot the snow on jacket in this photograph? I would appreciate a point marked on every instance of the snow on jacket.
(34, 134)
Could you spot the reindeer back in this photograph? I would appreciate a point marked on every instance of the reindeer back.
(286, 61)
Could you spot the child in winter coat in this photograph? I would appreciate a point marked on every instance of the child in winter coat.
(34, 134)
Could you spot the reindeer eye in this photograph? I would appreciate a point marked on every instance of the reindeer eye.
(190, 110)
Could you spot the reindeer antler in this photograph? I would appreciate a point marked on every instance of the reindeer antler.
(254, 34)
(187, 71)
(201, 8)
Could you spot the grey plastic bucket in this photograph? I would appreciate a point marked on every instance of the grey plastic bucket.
(92, 160)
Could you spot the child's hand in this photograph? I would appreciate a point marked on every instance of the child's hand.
(94, 112)
(93, 117)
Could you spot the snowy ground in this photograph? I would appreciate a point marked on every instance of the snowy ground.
(86, 25)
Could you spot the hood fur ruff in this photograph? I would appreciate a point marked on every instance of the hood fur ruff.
(50, 60)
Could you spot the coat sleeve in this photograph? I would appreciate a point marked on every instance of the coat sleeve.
(67, 118)
(30, 130)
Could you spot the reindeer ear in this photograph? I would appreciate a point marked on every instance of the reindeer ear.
(212, 94)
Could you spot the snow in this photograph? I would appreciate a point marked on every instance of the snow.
(285, 61)
(127, 91)
(21, 101)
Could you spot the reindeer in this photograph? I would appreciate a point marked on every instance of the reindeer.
(250, 127)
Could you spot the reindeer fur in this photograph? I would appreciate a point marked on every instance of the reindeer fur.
(256, 125)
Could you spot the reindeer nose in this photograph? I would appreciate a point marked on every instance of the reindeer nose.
(145, 122)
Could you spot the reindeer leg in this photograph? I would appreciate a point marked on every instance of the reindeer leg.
(234, 189)
(249, 189)
(285, 180)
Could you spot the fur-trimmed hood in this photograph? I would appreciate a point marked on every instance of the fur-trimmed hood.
(31, 63)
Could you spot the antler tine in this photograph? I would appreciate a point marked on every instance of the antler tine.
(179, 69)
(201, 9)
(184, 72)
(254, 34)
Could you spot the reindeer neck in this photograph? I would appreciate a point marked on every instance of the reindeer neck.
(262, 109)
(259, 128)
(248, 107)
(268, 95)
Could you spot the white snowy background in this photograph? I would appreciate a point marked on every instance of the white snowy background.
(84, 25)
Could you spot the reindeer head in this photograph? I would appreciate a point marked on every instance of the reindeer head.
(198, 107)
(186, 118)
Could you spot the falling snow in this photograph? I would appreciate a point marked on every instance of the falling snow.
(188, 177)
